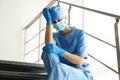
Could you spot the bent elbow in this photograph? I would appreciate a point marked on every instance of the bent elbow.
(80, 63)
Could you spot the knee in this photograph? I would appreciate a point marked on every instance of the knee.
(50, 56)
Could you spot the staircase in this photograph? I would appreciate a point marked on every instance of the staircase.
(11, 70)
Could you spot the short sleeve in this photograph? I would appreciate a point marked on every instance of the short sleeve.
(81, 46)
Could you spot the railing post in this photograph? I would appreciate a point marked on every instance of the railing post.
(69, 14)
(117, 38)
(25, 32)
(39, 39)
(83, 16)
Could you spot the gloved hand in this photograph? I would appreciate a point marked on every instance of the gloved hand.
(47, 15)
(52, 48)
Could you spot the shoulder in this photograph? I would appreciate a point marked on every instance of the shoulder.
(79, 31)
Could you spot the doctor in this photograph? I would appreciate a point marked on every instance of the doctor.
(64, 53)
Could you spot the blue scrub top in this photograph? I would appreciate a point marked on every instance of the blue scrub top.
(74, 43)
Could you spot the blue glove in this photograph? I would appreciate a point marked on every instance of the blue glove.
(52, 48)
(47, 15)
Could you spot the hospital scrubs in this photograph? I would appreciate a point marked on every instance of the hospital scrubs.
(59, 68)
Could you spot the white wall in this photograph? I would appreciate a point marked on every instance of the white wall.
(14, 16)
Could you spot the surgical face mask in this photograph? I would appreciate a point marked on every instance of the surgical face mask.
(60, 26)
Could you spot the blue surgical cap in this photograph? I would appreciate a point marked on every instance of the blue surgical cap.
(57, 12)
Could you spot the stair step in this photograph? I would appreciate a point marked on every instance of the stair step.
(22, 75)
(12, 70)
(21, 66)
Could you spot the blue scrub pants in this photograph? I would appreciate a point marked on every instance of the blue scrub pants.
(60, 71)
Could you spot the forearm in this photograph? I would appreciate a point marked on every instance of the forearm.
(78, 60)
(48, 34)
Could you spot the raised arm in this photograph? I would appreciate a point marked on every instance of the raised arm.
(48, 33)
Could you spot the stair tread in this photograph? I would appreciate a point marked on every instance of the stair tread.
(22, 70)
(21, 63)
(23, 74)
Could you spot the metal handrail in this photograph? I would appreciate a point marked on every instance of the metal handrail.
(85, 8)
(103, 64)
(34, 36)
(93, 10)
(100, 40)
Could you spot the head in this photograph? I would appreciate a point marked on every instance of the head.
(58, 17)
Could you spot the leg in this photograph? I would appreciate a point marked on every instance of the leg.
(64, 72)
(50, 60)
